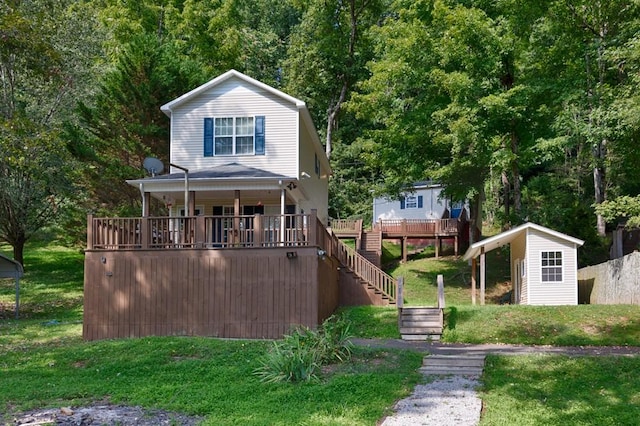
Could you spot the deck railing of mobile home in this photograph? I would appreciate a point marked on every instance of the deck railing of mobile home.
(419, 226)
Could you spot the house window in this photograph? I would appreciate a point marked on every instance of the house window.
(233, 136)
(411, 202)
(551, 266)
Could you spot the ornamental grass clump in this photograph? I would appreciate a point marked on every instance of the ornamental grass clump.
(299, 356)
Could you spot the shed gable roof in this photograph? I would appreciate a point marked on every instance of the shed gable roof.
(507, 237)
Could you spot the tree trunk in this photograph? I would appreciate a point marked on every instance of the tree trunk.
(18, 251)
(506, 200)
(515, 174)
(475, 217)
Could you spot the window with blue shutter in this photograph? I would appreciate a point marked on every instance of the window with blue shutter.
(208, 137)
(401, 203)
(419, 201)
(259, 135)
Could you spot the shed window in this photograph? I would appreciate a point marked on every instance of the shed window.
(411, 202)
(551, 266)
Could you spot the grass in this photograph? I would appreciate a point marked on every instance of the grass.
(45, 363)
(558, 390)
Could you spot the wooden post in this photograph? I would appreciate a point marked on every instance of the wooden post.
(404, 249)
(90, 232)
(236, 219)
(440, 292)
(257, 230)
(437, 246)
(455, 245)
(200, 237)
(192, 203)
(144, 233)
(146, 203)
(474, 267)
(482, 275)
(400, 300)
(313, 231)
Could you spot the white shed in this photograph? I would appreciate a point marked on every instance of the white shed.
(544, 264)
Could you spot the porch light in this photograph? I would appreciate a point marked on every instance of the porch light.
(292, 254)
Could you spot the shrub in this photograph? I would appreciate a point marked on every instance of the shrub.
(299, 355)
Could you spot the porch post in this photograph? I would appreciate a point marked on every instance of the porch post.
(283, 198)
(89, 232)
(257, 230)
(482, 275)
(474, 267)
(313, 228)
(404, 249)
(437, 246)
(192, 203)
(236, 217)
(146, 201)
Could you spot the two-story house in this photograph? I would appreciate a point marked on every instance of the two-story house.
(244, 251)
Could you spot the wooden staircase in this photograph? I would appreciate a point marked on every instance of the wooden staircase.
(420, 323)
(371, 246)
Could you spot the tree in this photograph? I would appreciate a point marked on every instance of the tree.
(327, 56)
(34, 181)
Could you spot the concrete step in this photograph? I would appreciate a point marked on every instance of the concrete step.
(453, 364)
(420, 337)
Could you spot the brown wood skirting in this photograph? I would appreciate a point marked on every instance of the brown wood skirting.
(243, 293)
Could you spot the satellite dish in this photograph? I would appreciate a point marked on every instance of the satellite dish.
(153, 166)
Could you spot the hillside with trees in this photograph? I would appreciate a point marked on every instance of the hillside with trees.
(528, 109)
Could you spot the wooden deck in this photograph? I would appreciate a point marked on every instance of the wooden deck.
(237, 277)
(405, 229)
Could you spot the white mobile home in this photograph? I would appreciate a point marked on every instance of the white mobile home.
(424, 202)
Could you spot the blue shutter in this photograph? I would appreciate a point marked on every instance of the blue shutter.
(402, 203)
(208, 137)
(419, 201)
(259, 135)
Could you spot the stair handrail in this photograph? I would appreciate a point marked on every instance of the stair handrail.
(366, 270)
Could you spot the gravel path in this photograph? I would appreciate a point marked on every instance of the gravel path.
(448, 400)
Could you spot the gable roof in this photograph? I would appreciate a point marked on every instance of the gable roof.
(168, 107)
(507, 237)
(300, 105)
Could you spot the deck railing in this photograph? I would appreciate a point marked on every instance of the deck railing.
(202, 232)
(346, 226)
(421, 227)
(366, 270)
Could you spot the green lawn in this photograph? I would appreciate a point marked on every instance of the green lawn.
(45, 363)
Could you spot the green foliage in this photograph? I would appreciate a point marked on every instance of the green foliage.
(301, 354)
(560, 390)
(624, 208)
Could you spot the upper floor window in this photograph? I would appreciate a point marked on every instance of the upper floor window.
(233, 136)
(551, 266)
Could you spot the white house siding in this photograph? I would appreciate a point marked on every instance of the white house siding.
(519, 251)
(315, 187)
(551, 293)
(236, 98)
(432, 206)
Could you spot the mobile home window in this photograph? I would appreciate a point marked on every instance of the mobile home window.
(411, 202)
(551, 266)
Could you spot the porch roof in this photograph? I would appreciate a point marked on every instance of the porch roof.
(507, 237)
(226, 172)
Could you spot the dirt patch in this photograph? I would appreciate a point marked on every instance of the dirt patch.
(107, 415)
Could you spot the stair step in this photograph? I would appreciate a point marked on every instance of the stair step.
(455, 372)
(421, 330)
(452, 361)
(420, 310)
(420, 324)
(420, 337)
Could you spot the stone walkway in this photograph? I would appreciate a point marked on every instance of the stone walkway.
(453, 400)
